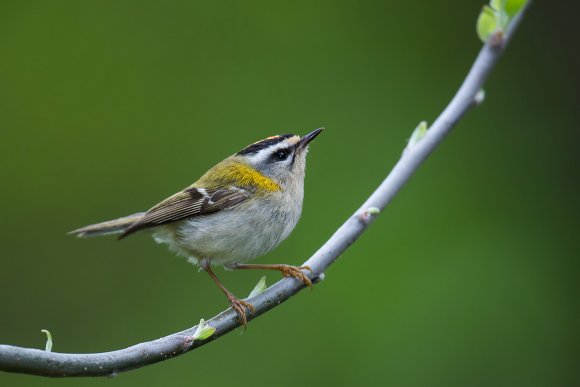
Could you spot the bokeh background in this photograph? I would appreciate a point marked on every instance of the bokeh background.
(470, 277)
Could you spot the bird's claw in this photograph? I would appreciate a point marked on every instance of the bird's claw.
(240, 307)
(297, 272)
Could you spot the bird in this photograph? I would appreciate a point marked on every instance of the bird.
(240, 209)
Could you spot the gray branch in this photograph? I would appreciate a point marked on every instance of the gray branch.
(39, 362)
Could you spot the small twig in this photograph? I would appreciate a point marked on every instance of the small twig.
(38, 362)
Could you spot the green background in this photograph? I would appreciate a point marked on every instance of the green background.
(469, 278)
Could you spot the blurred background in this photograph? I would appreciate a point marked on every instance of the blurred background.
(470, 277)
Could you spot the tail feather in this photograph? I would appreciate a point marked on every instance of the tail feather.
(116, 226)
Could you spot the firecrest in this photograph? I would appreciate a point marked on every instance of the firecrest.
(240, 209)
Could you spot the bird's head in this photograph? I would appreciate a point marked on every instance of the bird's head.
(282, 158)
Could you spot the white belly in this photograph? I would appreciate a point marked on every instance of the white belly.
(230, 236)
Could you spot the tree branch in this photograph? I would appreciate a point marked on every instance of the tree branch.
(39, 362)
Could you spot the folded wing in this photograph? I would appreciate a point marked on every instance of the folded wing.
(187, 203)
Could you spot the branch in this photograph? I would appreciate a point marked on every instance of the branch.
(39, 362)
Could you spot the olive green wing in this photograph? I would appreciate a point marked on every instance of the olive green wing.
(187, 203)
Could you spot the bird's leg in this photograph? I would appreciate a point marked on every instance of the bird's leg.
(286, 270)
(238, 305)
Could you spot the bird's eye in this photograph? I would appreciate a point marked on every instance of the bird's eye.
(281, 154)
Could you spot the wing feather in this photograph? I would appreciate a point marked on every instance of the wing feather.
(187, 203)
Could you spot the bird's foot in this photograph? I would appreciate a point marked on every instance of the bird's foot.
(296, 272)
(240, 307)
(286, 270)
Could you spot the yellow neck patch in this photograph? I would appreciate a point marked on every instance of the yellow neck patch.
(241, 175)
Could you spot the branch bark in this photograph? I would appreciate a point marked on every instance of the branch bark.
(39, 362)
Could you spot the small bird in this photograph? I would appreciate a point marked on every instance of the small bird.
(240, 209)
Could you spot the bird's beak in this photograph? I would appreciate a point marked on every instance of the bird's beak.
(304, 141)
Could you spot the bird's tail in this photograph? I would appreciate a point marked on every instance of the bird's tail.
(116, 226)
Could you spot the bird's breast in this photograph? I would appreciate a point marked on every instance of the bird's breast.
(242, 233)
